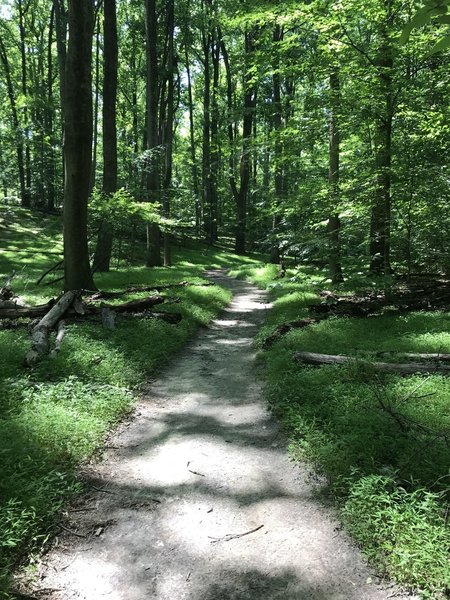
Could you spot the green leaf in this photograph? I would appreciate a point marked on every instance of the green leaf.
(445, 20)
(441, 45)
(422, 17)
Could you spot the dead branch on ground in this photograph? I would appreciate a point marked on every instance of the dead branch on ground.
(411, 368)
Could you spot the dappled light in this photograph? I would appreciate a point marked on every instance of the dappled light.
(196, 497)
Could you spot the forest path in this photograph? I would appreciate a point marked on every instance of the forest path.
(203, 458)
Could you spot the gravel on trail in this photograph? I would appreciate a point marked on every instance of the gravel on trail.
(196, 499)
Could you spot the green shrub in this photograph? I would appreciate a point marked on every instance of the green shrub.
(403, 532)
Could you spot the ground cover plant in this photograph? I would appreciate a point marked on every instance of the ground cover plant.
(382, 441)
(55, 415)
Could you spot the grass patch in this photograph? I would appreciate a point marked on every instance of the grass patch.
(54, 416)
(382, 441)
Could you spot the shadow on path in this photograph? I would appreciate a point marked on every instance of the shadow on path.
(204, 459)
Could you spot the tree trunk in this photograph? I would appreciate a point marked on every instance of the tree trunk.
(278, 147)
(240, 194)
(78, 145)
(23, 56)
(103, 250)
(215, 153)
(168, 142)
(15, 118)
(198, 212)
(49, 124)
(244, 173)
(206, 159)
(334, 223)
(381, 208)
(96, 105)
(153, 159)
(61, 34)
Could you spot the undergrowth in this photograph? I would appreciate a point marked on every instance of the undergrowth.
(55, 416)
(382, 441)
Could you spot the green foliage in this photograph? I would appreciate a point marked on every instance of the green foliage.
(435, 11)
(403, 532)
(56, 415)
(32, 243)
(120, 208)
(381, 441)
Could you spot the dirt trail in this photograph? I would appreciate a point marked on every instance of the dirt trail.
(203, 459)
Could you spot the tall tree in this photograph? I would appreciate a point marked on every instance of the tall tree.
(102, 257)
(77, 145)
(194, 168)
(153, 142)
(240, 193)
(169, 125)
(24, 196)
(334, 222)
(278, 146)
(380, 235)
(22, 8)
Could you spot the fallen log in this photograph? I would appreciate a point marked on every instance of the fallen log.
(17, 312)
(134, 305)
(284, 328)
(172, 318)
(59, 338)
(104, 295)
(433, 356)
(411, 368)
(77, 308)
(430, 295)
(41, 332)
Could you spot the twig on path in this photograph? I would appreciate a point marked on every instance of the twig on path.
(194, 472)
(80, 535)
(66, 566)
(233, 536)
(97, 489)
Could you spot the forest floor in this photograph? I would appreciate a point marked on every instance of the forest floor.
(196, 497)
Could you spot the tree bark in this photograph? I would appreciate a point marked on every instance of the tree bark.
(78, 145)
(334, 223)
(381, 209)
(24, 79)
(153, 159)
(244, 172)
(311, 358)
(198, 211)
(135, 305)
(169, 127)
(215, 152)
(278, 146)
(240, 193)
(61, 46)
(96, 104)
(102, 258)
(206, 142)
(41, 332)
(15, 119)
(61, 33)
(49, 122)
(18, 312)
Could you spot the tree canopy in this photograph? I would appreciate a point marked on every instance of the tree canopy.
(317, 130)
